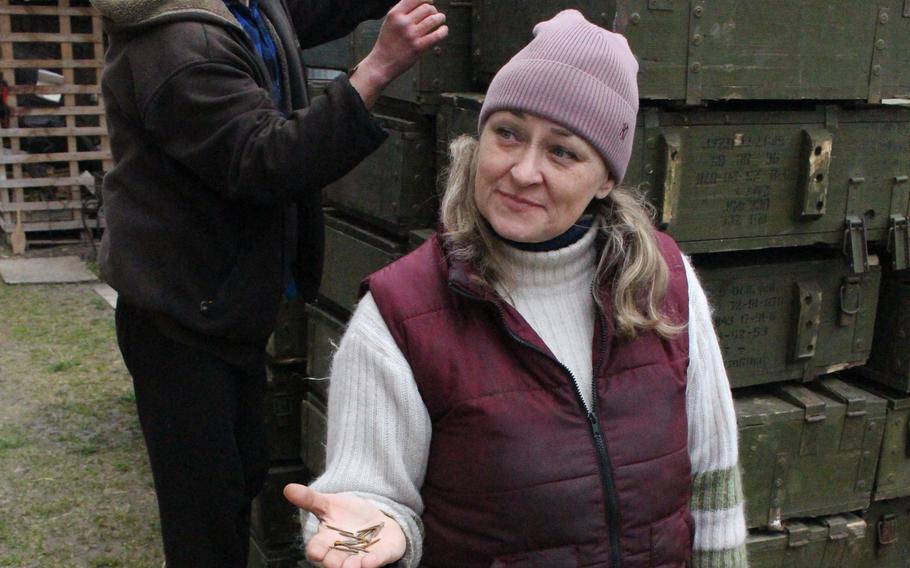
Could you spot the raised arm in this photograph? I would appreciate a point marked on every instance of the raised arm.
(717, 497)
(378, 440)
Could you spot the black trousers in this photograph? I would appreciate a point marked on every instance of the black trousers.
(203, 422)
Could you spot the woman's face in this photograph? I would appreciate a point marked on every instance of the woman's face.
(534, 177)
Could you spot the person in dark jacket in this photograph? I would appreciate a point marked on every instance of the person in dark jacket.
(213, 211)
(539, 385)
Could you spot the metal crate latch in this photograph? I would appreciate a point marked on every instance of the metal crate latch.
(887, 530)
(899, 242)
(851, 298)
(817, 144)
(856, 244)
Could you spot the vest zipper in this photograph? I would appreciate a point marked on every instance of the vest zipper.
(603, 458)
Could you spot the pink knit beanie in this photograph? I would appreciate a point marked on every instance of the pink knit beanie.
(579, 75)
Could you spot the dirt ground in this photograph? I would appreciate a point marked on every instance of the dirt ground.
(75, 487)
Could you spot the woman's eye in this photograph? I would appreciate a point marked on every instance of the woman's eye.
(564, 153)
(505, 133)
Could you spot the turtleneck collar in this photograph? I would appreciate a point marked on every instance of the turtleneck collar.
(569, 266)
(573, 234)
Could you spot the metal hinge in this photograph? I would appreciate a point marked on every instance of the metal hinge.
(808, 323)
(899, 242)
(856, 244)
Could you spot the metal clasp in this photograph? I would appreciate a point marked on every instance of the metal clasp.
(856, 244)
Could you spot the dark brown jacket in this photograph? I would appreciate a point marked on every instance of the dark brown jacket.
(215, 190)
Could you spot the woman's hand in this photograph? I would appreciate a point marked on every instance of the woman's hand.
(351, 514)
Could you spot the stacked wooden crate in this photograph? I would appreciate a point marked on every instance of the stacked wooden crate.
(766, 145)
(51, 55)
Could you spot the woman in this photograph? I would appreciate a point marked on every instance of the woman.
(541, 385)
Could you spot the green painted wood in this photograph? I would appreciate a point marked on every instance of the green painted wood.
(352, 253)
(814, 454)
(892, 478)
(288, 341)
(760, 313)
(324, 332)
(761, 179)
(889, 363)
(697, 51)
(336, 54)
(444, 68)
(285, 388)
(827, 542)
(888, 536)
(393, 189)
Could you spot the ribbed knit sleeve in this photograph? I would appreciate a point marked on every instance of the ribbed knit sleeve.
(717, 497)
(378, 428)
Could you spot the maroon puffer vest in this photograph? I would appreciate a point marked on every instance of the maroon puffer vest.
(519, 473)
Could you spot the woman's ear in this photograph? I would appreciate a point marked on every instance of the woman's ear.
(606, 188)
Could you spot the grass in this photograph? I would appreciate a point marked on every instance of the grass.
(75, 487)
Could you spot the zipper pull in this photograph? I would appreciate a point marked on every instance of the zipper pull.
(595, 426)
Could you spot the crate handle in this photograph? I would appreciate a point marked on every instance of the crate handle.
(671, 158)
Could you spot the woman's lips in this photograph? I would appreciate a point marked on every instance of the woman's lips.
(515, 202)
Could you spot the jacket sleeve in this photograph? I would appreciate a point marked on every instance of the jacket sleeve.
(378, 428)
(717, 495)
(319, 21)
(212, 117)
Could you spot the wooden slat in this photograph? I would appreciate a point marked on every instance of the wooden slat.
(59, 111)
(47, 11)
(39, 182)
(41, 205)
(59, 157)
(54, 89)
(77, 131)
(49, 38)
(48, 226)
(52, 63)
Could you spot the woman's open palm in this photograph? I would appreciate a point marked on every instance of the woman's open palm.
(350, 514)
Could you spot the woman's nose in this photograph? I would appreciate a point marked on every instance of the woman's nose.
(526, 169)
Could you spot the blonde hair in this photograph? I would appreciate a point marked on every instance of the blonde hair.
(630, 258)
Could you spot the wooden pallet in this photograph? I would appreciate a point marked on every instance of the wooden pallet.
(41, 160)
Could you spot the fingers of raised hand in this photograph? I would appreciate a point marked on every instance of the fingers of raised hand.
(406, 6)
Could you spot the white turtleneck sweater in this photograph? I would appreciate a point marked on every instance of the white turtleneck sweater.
(379, 429)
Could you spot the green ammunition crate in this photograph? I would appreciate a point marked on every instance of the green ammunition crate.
(781, 315)
(324, 333)
(394, 188)
(284, 391)
(288, 341)
(807, 450)
(738, 180)
(835, 541)
(336, 54)
(888, 541)
(889, 362)
(697, 50)
(892, 478)
(445, 67)
(758, 179)
(313, 434)
(352, 253)
(282, 556)
(274, 520)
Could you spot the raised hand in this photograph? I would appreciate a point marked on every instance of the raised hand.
(350, 514)
(410, 28)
